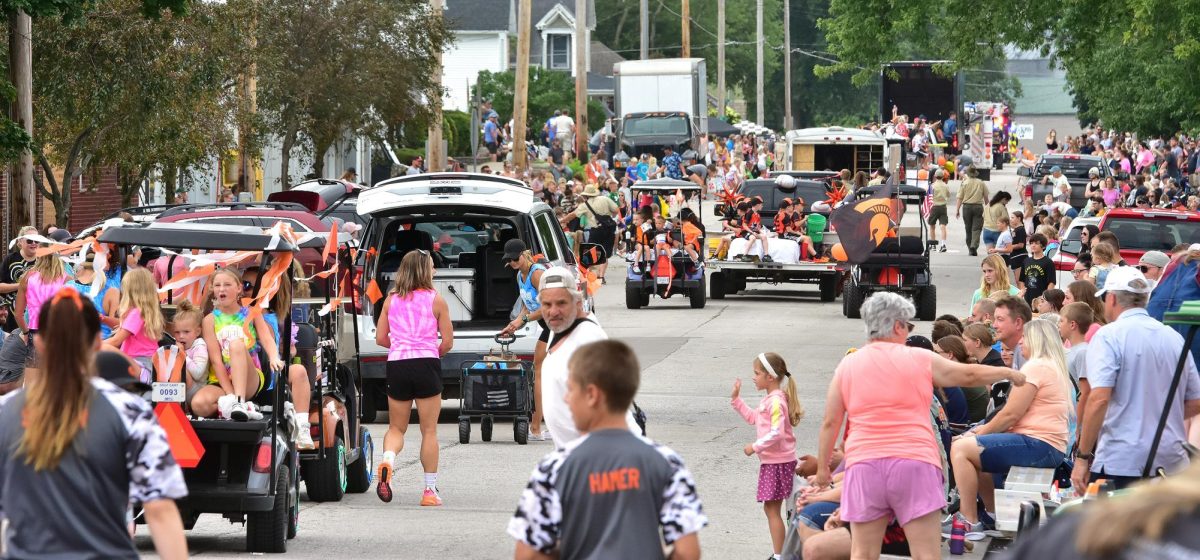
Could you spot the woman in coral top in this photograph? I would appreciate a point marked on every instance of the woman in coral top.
(893, 466)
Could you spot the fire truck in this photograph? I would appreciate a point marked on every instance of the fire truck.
(987, 127)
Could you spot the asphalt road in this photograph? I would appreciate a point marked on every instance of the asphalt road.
(689, 358)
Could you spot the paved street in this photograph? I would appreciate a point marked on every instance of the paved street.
(690, 358)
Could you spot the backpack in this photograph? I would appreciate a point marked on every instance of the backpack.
(1180, 282)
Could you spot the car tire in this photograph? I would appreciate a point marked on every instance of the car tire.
(521, 431)
(716, 285)
(326, 478)
(633, 297)
(697, 297)
(927, 303)
(739, 284)
(361, 473)
(852, 300)
(828, 284)
(464, 431)
(485, 428)
(266, 531)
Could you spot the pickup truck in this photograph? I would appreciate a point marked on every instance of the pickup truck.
(1074, 167)
(1140, 230)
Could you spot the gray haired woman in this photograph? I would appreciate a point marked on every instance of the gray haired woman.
(893, 463)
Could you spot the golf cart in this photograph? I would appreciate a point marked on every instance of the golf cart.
(245, 471)
(900, 263)
(665, 275)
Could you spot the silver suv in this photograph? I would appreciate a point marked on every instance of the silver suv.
(463, 219)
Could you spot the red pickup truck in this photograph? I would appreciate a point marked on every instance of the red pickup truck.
(1140, 230)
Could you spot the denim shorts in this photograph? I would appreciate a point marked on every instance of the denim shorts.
(815, 515)
(1001, 452)
(990, 236)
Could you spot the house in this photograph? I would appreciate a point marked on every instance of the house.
(485, 39)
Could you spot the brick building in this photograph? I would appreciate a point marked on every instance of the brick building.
(94, 196)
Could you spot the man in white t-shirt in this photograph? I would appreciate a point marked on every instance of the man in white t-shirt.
(1060, 188)
(570, 327)
(564, 129)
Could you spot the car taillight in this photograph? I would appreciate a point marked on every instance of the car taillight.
(262, 460)
(525, 357)
(1064, 266)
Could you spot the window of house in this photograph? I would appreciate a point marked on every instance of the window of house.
(558, 51)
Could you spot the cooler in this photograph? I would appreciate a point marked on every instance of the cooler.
(457, 287)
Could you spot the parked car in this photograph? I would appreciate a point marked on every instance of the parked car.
(327, 198)
(463, 220)
(1140, 230)
(1068, 250)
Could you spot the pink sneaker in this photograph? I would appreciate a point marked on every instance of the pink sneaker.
(430, 497)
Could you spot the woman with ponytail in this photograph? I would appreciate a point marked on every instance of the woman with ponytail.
(66, 485)
(774, 418)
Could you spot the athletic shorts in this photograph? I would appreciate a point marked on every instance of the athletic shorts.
(938, 214)
(416, 378)
(544, 336)
(492, 147)
(904, 488)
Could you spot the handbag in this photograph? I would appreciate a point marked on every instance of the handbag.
(606, 222)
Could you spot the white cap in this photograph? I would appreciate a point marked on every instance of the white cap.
(559, 277)
(1120, 278)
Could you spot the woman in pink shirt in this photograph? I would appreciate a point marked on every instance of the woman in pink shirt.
(1030, 431)
(893, 466)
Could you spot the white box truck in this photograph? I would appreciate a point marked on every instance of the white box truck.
(659, 103)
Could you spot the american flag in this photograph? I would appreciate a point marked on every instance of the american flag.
(928, 204)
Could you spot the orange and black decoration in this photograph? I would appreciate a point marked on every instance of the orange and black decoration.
(863, 225)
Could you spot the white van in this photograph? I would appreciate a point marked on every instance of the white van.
(463, 220)
(835, 148)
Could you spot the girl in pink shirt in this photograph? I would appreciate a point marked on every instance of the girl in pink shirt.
(774, 418)
(142, 321)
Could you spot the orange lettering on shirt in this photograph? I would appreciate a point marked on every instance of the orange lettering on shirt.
(617, 480)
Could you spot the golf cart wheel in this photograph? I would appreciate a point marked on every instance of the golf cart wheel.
(464, 431)
(852, 300)
(266, 531)
(739, 283)
(927, 303)
(521, 430)
(485, 428)
(828, 284)
(361, 472)
(633, 297)
(697, 296)
(326, 478)
(716, 285)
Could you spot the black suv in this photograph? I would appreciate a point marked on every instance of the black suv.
(1074, 167)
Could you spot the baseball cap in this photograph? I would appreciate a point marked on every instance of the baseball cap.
(1155, 258)
(1056, 169)
(513, 249)
(120, 371)
(1120, 279)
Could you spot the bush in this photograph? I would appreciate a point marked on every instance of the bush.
(407, 155)
(548, 90)
(456, 131)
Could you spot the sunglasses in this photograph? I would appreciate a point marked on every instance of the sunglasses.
(246, 286)
(423, 252)
(1078, 271)
(1144, 268)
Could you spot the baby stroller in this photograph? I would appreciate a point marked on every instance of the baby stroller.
(497, 387)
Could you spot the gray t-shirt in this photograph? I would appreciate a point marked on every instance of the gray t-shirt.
(608, 494)
(77, 510)
(1077, 361)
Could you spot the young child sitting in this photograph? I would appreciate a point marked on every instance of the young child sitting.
(142, 321)
(756, 229)
(792, 225)
(187, 330)
(736, 226)
(643, 225)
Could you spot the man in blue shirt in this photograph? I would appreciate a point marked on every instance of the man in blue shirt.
(950, 126)
(491, 135)
(1131, 363)
(672, 163)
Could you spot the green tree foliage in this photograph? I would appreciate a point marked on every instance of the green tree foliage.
(1130, 63)
(329, 70)
(548, 90)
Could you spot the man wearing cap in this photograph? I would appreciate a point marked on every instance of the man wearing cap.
(491, 135)
(1152, 264)
(1131, 363)
(570, 327)
(1060, 188)
(597, 216)
(972, 195)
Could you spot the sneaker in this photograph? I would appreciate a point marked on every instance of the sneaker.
(942, 248)
(974, 252)
(304, 440)
(431, 497)
(238, 412)
(383, 488)
(533, 437)
(252, 412)
(767, 258)
(975, 531)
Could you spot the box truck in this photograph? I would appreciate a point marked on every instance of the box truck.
(659, 103)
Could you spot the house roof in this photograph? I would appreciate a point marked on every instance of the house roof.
(542, 7)
(480, 15)
(599, 83)
(603, 58)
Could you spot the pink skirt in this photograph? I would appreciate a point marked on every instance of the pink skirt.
(775, 480)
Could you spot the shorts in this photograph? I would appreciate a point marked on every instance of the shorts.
(990, 236)
(904, 488)
(939, 214)
(146, 365)
(815, 515)
(25, 351)
(775, 480)
(1000, 452)
(544, 336)
(416, 378)
(492, 147)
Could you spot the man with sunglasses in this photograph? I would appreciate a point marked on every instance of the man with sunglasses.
(1152, 264)
(13, 268)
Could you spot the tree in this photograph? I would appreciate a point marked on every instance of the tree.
(331, 69)
(548, 90)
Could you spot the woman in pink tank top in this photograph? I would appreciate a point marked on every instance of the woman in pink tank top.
(893, 462)
(37, 286)
(413, 319)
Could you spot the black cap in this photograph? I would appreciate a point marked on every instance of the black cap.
(513, 249)
(116, 368)
(60, 235)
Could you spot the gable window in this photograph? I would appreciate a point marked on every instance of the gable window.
(558, 51)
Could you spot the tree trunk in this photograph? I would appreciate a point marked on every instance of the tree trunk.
(320, 148)
(55, 193)
(620, 26)
(289, 142)
(170, 179)
(21, 196)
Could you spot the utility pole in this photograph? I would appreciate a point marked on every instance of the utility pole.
(644, 11)
(521, 96)
(247, 179)
(22, 201)
(758, 47)
(581, 48)
(787, 65)
(436, 158)
(721, 59)
(686, 31)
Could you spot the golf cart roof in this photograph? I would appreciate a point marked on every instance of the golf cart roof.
(904, 191)
(664, 184)
(211, 237)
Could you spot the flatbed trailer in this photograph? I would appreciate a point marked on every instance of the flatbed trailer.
(731, 276)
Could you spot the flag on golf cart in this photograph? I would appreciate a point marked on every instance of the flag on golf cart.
(863, 224)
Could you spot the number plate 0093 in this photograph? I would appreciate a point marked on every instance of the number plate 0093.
(169, 392)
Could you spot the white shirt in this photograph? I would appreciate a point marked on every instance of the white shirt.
(555, 412)
(1061, 187)
(564, 125)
